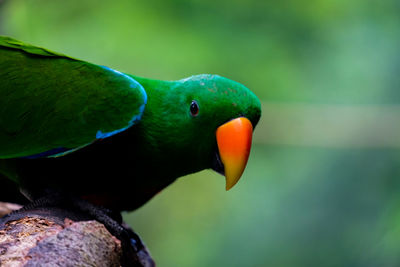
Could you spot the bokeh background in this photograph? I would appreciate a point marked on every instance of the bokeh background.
(322, 187)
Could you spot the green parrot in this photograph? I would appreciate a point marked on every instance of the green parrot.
(112, 138)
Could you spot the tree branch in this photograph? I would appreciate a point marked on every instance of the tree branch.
(56, 237)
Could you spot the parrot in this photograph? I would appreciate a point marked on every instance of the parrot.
(111, 138)
(114, 138)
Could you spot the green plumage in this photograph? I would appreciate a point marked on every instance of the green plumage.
(50, 101)
(34, 50)
(113, 138)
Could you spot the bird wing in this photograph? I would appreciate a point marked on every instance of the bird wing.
(52, 104)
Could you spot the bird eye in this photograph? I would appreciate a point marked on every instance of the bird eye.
(194, 108)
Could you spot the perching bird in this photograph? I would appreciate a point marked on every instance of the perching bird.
(111, 138)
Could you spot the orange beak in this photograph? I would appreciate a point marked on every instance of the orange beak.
(234, 143)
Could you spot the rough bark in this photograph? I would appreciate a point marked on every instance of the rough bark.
(55, 237)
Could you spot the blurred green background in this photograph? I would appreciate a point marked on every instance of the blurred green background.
(322, 185)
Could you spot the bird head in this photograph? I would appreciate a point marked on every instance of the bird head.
(207, 120)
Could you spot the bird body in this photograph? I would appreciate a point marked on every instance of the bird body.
(113, 138)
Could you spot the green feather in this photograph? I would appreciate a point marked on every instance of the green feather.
(50, 101)
(35, 50)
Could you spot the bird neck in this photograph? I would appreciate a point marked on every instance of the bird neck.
(161, 139)
(165, 140)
